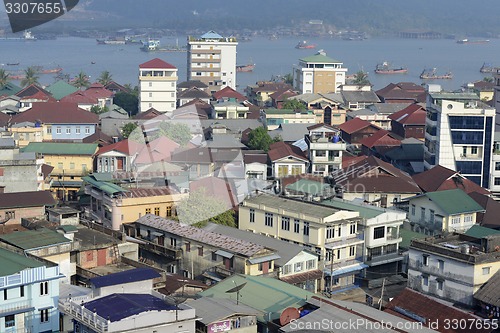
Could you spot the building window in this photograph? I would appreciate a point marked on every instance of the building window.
(150, 84)
(352, 251)
(455, 220)
(252, 215)
(440, 265)
(188, 247)
(330, 232)
(5, 295)
(200, 251)
(285, 223)
(44, 288)
(425, 260)
(11, 214)
(269, 219)
(21, 291)
(338, 254)
(77, 130)
(87, 130)
(10, 321)
(72, 165)
(497, 166)
(422, 213)
(320, 153)
(157, 211)
(413, 210)
(378, 232)
(431, 218)
(68, 130)
(306, 228)
(473, 150)
(173, 241)
(339, 231)
(299, 266)
(44, 315)
(49, 129)
(84, 167)
(296, 226)
(440, 284)
(468, 218)
(58, 130)
(60, 166)
(486, 270)
(310, 264)
(148, 210)
(425, 280)
(214, 256)
(352, 229)
(172, 95)
(287, 269)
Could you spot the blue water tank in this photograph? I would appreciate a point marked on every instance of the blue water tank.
(336, 138)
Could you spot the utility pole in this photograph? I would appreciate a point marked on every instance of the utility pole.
(382, 295)
(331, 273)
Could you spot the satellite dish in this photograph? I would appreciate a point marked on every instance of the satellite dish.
(288, 315)
(236, 289)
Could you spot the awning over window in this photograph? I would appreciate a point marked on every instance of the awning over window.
(263, 259)
(224, 254)
(345, 270)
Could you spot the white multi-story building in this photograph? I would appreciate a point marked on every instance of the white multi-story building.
(212, 60)
(157, 86)
(459, 134)
(495, 172)
(30, 293)
(325, 149)
(319, 74)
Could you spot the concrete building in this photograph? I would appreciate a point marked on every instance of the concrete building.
(20, 172)
(330, 232)
(211, 59)
(452, 268)
(157, 86)
(19, 205)
(318, 74)
(30, 290)
(325, 149)
(275, 117)
(459, 134)
(435, 213)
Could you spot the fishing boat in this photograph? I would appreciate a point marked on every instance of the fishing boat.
(431, 74)
(386, 68)
(488, 68)
(305, 45)
(12, 64)
(51, 70)
(473, 41)
(245, 68)
(150, 45)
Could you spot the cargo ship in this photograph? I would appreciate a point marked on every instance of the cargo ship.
(245, 68)
(305, 45)
(385, 68)
(430, 74)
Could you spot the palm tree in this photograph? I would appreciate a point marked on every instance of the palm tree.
(4, 78)
(105, 78)
(81, 80)
(30, 77)
(361, 79)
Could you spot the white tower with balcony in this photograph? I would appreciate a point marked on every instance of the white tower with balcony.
(157, 86)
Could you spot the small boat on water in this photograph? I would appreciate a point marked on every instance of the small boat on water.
(12, 64)
(51, 70)
(386, 68)
(473, 41)
(245, 68)
(111, 41)
(488, 68)
(431, 74)
(305, 45)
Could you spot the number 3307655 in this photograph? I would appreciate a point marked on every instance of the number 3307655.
(33, 8)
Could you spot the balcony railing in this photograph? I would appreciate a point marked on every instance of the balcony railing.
(167, 250)
(85, 316)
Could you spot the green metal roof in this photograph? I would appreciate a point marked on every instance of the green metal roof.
(266, 295)
(455, 95)
(454, 201)
(106, 187)
(364, 211)
(407, 236)
(33, 239)
(9, 89)
(61, 89)
(56, 148)
(319, 58)
(286, 111)
(478, 231)
(13, 263)
(308, 186)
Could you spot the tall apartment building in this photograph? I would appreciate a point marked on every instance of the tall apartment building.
(212, 60)
(495, 173)
(459, 134)
(318, 74)
(157, 86)
(325, 149)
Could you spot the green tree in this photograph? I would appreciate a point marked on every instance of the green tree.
(293, 104)
(133, 90)
(259, 139)
(4, 78)
(98, 109)
(105, 78)
(201, 207)
(81, 80)
(128, 128)
(485, 79)
(361, 79)
(288, 78)
(30, 77)
(128, 101)
(178, 132)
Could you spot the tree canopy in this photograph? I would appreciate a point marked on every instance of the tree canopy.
(4, 78)
(128, 128)
(128, 101)
(81, 80)
(259, 139)
(361, 79)
(293, 104)
(30, 77)
(105, 78)
(201, 208)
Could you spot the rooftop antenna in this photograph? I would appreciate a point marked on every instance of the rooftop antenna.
(236, 290)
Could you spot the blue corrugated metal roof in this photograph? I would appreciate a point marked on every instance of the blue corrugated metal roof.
(119, 306)
(211, 35)
(133, 275)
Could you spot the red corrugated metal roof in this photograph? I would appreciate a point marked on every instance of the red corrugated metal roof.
(228, 92)
(380, 138)
(440, 178)
(56, 113)
(280, 150)
(413, 114)
(156, 63)
(355, 125)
